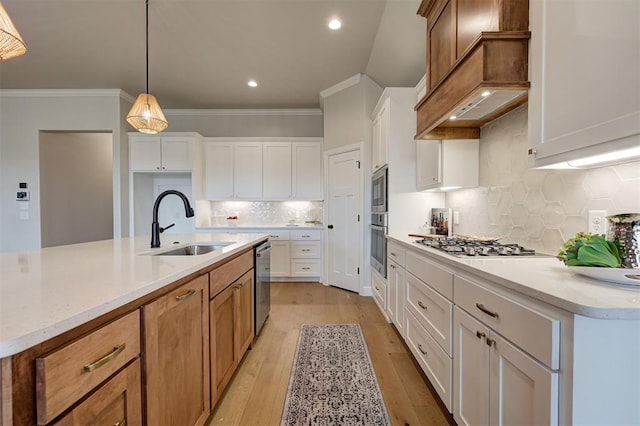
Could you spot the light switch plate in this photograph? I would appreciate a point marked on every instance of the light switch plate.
(22, 196)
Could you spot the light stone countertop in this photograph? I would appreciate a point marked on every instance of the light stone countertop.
(45, 292)
(245, 228)
(546, 279)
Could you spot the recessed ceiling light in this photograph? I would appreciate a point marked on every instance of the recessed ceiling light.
(252, 83)
(453, 117)
(335, 24)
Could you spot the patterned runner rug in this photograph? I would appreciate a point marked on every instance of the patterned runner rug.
(332, 380)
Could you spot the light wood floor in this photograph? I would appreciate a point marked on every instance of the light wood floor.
(257, 393)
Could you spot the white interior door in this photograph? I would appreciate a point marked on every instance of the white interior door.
(344, 240)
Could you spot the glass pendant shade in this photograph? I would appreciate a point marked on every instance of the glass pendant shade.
(11, 44)
(146, 115)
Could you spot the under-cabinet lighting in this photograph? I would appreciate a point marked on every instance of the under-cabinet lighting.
(486, 93)
(335, 24)
(630, 154)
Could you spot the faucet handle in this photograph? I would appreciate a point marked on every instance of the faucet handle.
(164, 229)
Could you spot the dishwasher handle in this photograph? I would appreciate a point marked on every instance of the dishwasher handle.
(264, 248)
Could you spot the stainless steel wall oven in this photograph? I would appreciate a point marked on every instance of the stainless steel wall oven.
(379, 242)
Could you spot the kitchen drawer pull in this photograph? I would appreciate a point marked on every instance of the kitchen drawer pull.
(480, 334)
(422, 350)
(122, 422)
(393, 254)
(184, 296)
(377, 288)
(421, 305)
(486, 311)
(306, 268)
(102, 361)
(305, 236)
(306, 249)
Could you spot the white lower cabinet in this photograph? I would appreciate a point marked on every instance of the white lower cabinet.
(379, 290)
(497, 383)
(296, 254)
(280, 259)
(396, 285)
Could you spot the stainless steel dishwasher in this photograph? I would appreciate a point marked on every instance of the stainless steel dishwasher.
(262, 285)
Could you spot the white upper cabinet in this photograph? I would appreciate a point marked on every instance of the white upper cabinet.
(277, 168)
(160, 153)
(247, 167)
(307, 170)
(447, 164)
(263, 169)
(380, 135)
(218, 170)
(585, 87)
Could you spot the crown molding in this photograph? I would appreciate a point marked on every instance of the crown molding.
(45, 93)
(205, 112)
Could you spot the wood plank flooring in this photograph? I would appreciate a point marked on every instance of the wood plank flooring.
(257, 392)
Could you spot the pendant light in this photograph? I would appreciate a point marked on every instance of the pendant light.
(11, 44)
(146, 115)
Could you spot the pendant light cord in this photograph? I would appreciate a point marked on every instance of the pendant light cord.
(146, 21)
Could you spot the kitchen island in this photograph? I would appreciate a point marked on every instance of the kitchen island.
(58, 302)
(506, 339)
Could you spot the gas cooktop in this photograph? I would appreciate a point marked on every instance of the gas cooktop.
(460, 246)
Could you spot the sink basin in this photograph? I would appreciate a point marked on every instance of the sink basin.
(193, 249)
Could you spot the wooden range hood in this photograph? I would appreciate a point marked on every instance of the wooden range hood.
(477, 65)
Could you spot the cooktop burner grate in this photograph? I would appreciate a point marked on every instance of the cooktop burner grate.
(472, 247)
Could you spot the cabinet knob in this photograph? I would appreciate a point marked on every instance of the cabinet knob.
(480, 334)
(330, 226)
(435, 179)
(532, 151)
(490, 342)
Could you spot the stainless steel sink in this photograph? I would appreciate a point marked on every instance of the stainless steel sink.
(193, 249)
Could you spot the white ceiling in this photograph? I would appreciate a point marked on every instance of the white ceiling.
(203, 52)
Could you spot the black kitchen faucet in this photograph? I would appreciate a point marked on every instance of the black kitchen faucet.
(155, 226)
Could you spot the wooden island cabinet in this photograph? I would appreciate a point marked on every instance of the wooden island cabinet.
(162, 359)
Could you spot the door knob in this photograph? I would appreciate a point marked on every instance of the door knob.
(330, 226)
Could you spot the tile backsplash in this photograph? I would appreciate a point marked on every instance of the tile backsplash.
(258, 213)
(539, 209)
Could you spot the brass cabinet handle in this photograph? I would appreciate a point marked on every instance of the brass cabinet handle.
(486, 311)
(306, 249)
(480, 334)
(490, 342)
(122, 422)
(184, 296)
(421, 349)
(105, 359)
(421, 305)
(305, 268)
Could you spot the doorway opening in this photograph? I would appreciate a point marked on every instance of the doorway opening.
(76, 187)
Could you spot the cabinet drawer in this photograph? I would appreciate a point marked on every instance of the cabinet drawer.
(302, 235)
(396, 253)
(305, 267)
(379, 290)
(533, 331)
(435, 362)
(117, 402)
(432, 310)
(279, 235)
(64, 376)
(439, 278)
(224, 275)
(304, 249)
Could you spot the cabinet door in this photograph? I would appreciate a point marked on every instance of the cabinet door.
(428, 159)
(144, 154)
(470, 371)
(224, 356)
(176, 330)
(247, 166)
(578, 99)
(392, 284)
(218, 162)
(380, 136)
(401, 284)
(176, 154)
(244, 319)
(280, 259)
(307, 170)
(375, 144)
(277, 170)
(117, 402)
(522, 390)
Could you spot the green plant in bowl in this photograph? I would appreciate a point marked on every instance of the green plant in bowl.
(585, 249)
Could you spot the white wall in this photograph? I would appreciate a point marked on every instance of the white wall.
(23, 114)
(260, 123)
(76, 187)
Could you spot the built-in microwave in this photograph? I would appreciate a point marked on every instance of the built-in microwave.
(379, 191)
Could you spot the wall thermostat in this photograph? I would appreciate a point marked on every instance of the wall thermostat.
(22, 196)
